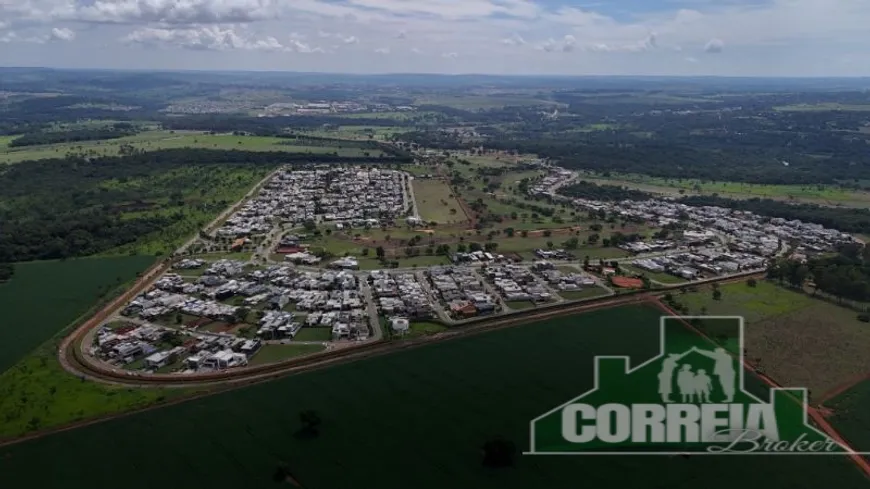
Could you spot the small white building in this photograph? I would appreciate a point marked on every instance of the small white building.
(400, 325)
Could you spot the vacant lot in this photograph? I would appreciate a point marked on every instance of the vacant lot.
(416, 418)
(44, 297)
(586, 293)
(277, 353)
(436, 202)
(800, 341)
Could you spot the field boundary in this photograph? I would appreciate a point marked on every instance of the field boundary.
(862, 464)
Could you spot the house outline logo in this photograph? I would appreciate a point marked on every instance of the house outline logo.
(793, 400)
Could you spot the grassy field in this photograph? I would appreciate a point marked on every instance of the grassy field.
(44, 297)
(435, 201)
(277, 353)
(374, 410)
(313, 334)
(586, 293)
(414, 261)
(664, 278)
(822, 194)
(154, 140)
(801, 341)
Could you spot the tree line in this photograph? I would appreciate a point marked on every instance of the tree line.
(76, 135)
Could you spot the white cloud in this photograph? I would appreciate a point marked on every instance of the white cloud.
(692, 60)
(450, 55)
(213, 38)
(402, 34)
(714, 46)
(62, 34)
(382, 50)
(178, 11)
(514, 40)
(350, 40)
(568, 43)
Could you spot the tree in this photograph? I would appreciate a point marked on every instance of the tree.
(524, 234)
(550, 245)
(572, 244)
(380, 253)
(498, 452)
(548, 233)
(309, 225)
(752, 282)
(717, 294)
(6, 271)
(365, 252)
(241, 314)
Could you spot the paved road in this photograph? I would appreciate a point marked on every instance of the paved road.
(372, 308)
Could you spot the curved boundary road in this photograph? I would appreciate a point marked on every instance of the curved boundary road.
(75, 360)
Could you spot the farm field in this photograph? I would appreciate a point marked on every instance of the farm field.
(277, 353)
(801, 341)
(485, 389)
(35, 392)
(45, 297)
(435, 200)
(820, 194)
(849, 415)
(154, 140)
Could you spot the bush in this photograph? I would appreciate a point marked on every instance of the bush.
(864, 318)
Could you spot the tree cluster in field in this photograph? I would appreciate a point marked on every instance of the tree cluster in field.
(607, 193)
(844, 276)
(71, 136)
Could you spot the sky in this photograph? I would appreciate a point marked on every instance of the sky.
(509, 37)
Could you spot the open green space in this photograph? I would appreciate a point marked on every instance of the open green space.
(800, 341)
(277, 353)
(313, 334)
(376, 408)
(520, 305)
(44, 297)
(405, 262)
(155, 140)
(821, 194)
(661, 277)
(436, 202)
(585, 293)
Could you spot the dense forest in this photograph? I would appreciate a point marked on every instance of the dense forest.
(845, 276)
(70, 207)
(55, 137)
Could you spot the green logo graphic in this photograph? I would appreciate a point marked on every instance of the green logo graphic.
(689, 399)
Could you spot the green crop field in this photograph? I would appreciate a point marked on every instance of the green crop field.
(850, 416)
(154, 140)
(44, 297)
(416, 418)
(41, 300)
